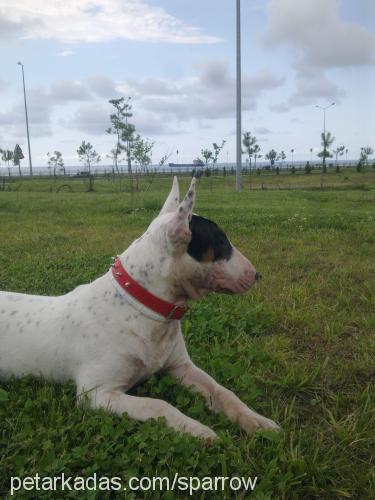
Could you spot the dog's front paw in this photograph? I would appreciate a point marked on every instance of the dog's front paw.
(250, 422)
(201, 431)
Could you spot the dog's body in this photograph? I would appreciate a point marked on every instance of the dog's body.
(106, 341)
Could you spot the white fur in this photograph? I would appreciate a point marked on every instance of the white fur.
(104, 340)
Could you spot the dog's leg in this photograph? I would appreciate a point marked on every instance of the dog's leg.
(143, 409)
(220, 399)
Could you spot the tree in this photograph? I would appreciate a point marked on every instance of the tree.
(249, 142)
(282, 156)
(256, 154)
(327, 140)
(271, 155)
(217, 151)
(366, 152)
(339, 151)
(7, 157)
(207, 155)
(119, 121)
(55, 162)
(87, 155)
(17, 157)
(141, 149)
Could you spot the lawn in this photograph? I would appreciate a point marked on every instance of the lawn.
(299, 348)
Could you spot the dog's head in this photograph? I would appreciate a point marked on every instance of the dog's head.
(195, 253)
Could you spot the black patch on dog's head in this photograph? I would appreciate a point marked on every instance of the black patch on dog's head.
(208, 241)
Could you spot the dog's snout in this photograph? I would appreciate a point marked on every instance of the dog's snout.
(258, 276)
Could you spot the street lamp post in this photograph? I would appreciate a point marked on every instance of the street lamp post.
(27, 120)
(238, 99)
(324, 108)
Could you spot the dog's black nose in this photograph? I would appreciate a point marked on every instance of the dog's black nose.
(257, 276)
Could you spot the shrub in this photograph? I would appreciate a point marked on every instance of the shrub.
(308, 168)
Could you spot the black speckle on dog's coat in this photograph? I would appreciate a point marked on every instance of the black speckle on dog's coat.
(208, 241)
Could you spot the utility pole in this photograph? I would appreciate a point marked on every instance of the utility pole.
(238, 100)
(27, 120)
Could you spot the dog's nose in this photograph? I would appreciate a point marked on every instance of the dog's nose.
(258, 276)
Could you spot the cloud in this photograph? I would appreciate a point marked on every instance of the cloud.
(207, 94)
(262, 130)
(65, 53)
(69, 90)
(311, 87)
(317, 35)
(3, 85)
(39, 113)
(103, 86)
(161, 107)
(41, 104)
(319, 40)
(93, 21)
(92, 119)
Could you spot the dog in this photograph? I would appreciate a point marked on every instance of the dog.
(115, 332)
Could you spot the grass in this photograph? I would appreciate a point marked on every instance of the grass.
(299, 348)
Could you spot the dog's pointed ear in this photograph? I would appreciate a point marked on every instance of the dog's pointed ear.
(178, 228)
(173, 199)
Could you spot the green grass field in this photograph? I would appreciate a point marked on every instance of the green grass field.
(299, 348)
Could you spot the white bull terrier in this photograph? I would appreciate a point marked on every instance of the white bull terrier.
(117, 331)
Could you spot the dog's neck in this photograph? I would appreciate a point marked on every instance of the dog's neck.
(154, 270)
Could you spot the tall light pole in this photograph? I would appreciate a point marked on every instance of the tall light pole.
(27, 120)
(238, 100)
(324, 108)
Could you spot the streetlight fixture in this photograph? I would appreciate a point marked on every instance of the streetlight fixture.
(27, 120)
(324, 108)
(238, 99)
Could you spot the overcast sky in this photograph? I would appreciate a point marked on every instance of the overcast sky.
(176, 59)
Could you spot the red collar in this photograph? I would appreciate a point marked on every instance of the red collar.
(160, 306)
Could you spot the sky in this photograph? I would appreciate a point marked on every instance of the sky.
(177, 62)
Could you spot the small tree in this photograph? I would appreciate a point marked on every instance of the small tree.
(217, 151)
(327, 140)
(141, 151)
(207, 155)
(7, 157)
(308, 168)
(56, 162)
(366, 152)
(271, 156)
(256, 154)
(282, 156)
(88, 156)
(249, 142)
(119, 121)
(17, 157)
(339, 151)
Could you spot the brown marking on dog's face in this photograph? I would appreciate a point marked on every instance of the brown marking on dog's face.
(209, 255)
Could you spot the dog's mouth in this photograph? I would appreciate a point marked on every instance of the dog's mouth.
(227, 291)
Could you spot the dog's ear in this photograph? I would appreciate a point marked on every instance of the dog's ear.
(178, 228)
(173, 199)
